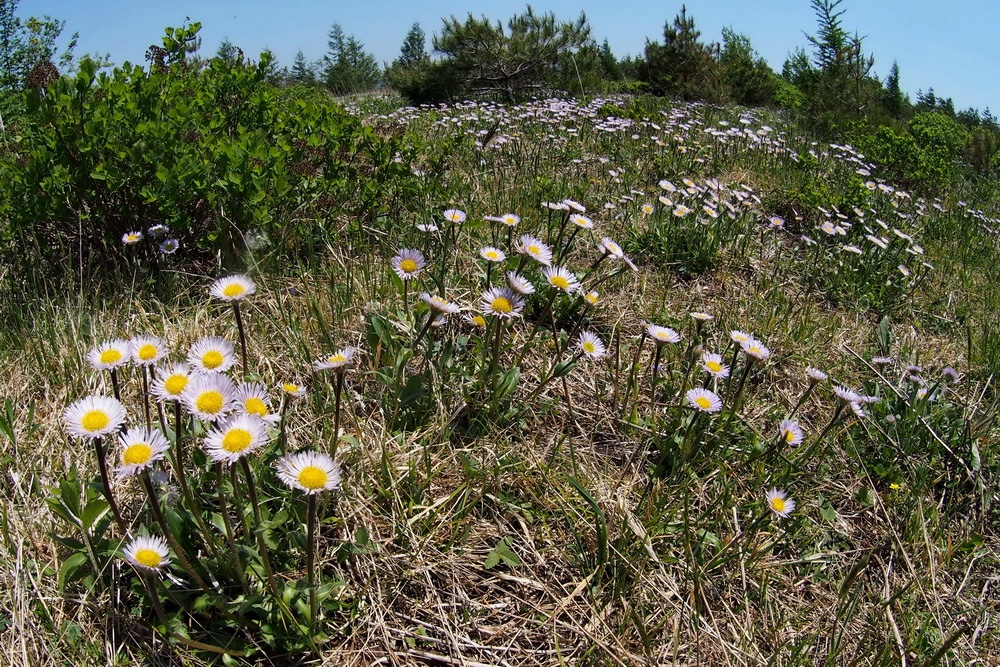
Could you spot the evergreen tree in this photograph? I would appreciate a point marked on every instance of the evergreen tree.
(534, 54)
(228, 51)
(412, 52)
(348, 67)
(682, 65)
(612, 70)
(748, 78)
(893, 98)
(302, 72)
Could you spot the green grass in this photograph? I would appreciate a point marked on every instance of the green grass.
(505, 499)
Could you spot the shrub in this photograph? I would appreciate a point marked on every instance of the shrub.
(217, 154)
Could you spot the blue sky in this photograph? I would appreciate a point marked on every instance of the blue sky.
(952, 46)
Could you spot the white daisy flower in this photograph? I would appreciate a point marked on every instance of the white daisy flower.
(110, 355)
(93, 417)
(704, 400)
(790, 432)
(712, 364)
(147, 350)
(253, 399)
(310, 472)
(780, 503)
(209, 396)
(408, 263)
(502, 302)
(148, 553)
(235, 438)
(561, 278)
(170, 382)
(211, 354)
(591, 345)
(439, 304)
(338, 361)
(491, 254)
(661, 335)
(535, 249)
(141, 448)
(519, 283)
(232, 288)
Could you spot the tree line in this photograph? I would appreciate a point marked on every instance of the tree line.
(829, 84)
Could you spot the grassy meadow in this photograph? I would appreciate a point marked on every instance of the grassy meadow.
(619, 382)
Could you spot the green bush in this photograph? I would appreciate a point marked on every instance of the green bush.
(217, 153)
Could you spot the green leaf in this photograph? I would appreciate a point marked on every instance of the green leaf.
(70, 569)
(502, 552)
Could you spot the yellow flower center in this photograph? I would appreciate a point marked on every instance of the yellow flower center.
(137, 453)
(212, 359)
(559, 281)
(147, 352)
(95, 420)
(408, 265)
(175, 384)
(338, 358)
(233, 290)
(508, 220)
(236, 440)
(534, 250)
(589, 347)
(501, 305)
(778, 504)
(703, 402)
(789, 436)
(148, 557)
(591, 298)
(290, 388)
(491, 254)
(111, 356)
(312, 477)
(132, 238)
(255, 406)
(209, 402)
(713, 366)
(479, 320)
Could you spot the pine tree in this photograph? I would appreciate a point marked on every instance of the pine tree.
(302, 71)
(348, 67)
(612, 70)
(748, 78)
(682, 65)
(893, 97)
(413, 49)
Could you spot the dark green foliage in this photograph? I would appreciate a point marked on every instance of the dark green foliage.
(27, 56)
(747, 76)
(413, 51)
(530, 57)
(217, 154)
(925, 165)
(895, 101)
(348, 67)
(303, 72)
(682, 66)
(609, 64)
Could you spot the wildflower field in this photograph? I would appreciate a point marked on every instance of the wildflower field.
(607, 382)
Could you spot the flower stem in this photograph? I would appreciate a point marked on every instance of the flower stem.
(311, 556)
(243, 338)
(261, 544)
(102, 465)
(336, 413)
(224, 511)
(145, 398)
(182, 558)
